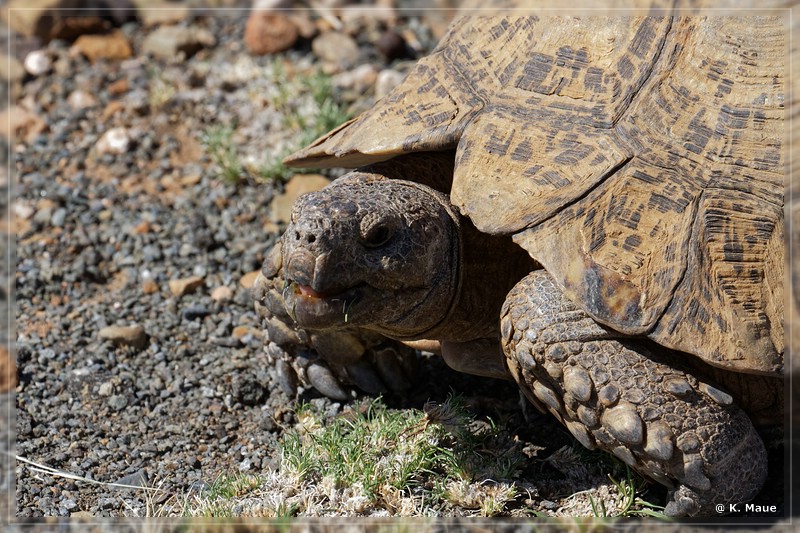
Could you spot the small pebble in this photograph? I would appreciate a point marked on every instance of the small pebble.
(118, 87)
(79, 99)
(37, 63)
(336, 48)
(247, 390)
(149, 286)
(180, 287)
(243, 331)
(222, 294)
(387, 80)
(269, 33)
(249, 279)
(114, 141)
(168, 42)
(136, 479)
(111, 46)
(195, 311)
(118, 402)
(59, 217)
(69, 504)
(392, 46)
(358, 80)
(131, 335)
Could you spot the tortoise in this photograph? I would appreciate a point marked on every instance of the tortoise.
(591, 206)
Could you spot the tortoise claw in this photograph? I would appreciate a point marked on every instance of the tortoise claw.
(324, 381)
(366, 378)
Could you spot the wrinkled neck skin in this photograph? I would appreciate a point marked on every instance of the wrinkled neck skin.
(490, 266)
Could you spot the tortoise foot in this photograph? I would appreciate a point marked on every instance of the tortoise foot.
(332, 361)
(631, 398)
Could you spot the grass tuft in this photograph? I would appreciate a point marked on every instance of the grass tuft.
(218, 143)
(374, 460)
(325, 114)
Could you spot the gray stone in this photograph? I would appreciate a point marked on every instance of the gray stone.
(169, 41)
(118, 402)
(136, 479)
(337, 48)
(131, 335)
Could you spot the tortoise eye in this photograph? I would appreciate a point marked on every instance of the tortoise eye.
(376, 236)
(375, 233)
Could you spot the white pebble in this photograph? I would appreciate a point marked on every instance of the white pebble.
(114, 141)
(37, 63)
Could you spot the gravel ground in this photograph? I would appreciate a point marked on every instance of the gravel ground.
(125, 374)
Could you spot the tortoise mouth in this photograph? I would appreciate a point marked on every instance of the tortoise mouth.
(362, 305)
(321, 310)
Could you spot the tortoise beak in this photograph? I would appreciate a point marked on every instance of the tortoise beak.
(300, 267)
(313, 301)
(308, 270)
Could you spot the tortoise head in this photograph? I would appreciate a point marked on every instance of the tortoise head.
(373, 252)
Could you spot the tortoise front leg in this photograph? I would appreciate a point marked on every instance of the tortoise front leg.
(330, 360)
(631, 398)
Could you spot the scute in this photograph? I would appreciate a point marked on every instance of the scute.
(686, 237)
(639, 160)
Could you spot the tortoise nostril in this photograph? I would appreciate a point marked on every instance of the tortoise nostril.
(297, 235)
(311, 238)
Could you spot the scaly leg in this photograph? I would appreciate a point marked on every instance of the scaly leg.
(631, 398)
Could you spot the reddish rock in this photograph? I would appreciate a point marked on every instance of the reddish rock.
(241, 331)
(20, 124)
(149, 286)
(112, 46)
(66, 19)
(222, 294)
(249, 279)
(269, 33)
(112, 108)
(118, 87)
(179, 287)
